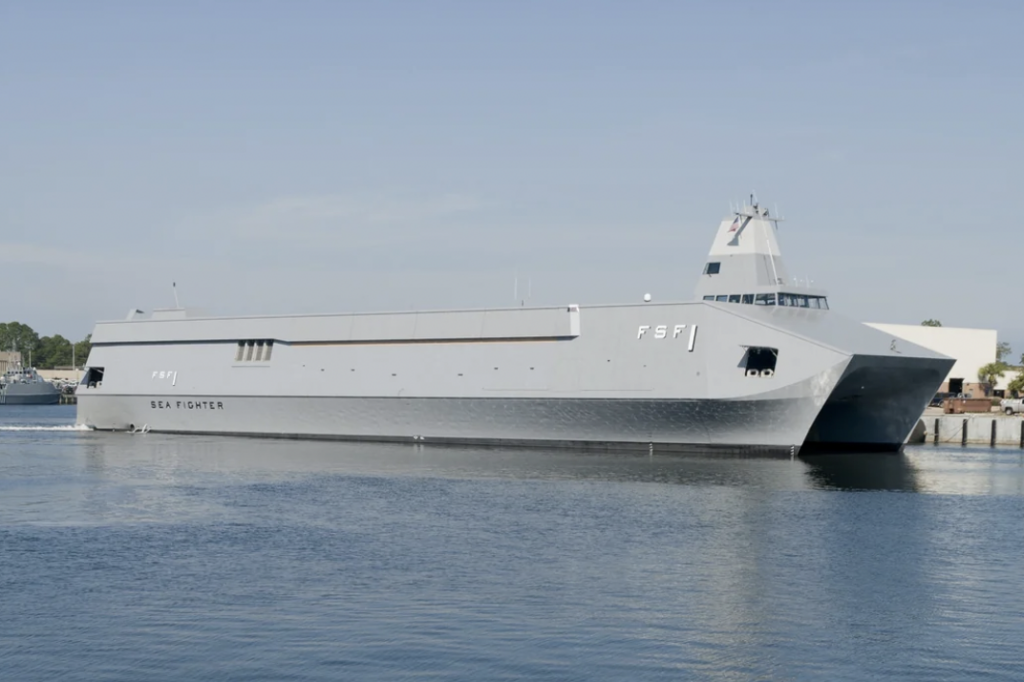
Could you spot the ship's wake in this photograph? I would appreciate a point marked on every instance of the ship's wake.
(37, 427)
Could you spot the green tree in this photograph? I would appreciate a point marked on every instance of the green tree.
(82, 349)
(1016, 385)
(1002, 351)
(19, 337)
(54, 351)
(46, 352)
(931, 323)
(991, 373)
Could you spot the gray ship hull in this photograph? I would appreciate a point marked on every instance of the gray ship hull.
(668, 376)
(593, 423)
(29, 394)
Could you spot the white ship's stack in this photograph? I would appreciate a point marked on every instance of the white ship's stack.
(745, 265)
(754, 363)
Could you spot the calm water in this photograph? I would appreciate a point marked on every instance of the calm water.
(149, 557)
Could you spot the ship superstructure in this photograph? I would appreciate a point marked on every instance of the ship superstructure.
(755, 362)
(745, 265)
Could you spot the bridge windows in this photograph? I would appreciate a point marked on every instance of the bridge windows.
(803, 301)
(782, 299)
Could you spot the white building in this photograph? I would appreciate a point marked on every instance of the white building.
(972, 349)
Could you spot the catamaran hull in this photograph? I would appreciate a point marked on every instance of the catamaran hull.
(675, 376)
(774, 425)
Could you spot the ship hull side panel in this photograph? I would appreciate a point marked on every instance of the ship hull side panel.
(743, 424)
(658, 373)
(30, 394)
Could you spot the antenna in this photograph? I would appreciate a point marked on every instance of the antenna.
(174, 288)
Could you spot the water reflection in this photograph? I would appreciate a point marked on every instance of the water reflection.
(868, 471)
(179, 459)
(198, 553)
(975, 470)
(168, 459)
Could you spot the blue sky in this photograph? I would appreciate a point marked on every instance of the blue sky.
(328, 156)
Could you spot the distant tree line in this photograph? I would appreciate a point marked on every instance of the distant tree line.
(45, 352)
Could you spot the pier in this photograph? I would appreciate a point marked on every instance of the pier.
(970, 429)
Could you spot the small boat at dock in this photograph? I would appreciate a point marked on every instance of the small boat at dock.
(23, 386)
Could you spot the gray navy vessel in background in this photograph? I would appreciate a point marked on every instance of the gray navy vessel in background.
(753, 363)
(24, 386)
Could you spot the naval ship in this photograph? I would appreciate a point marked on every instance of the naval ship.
(24, 386)
(755, 362)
